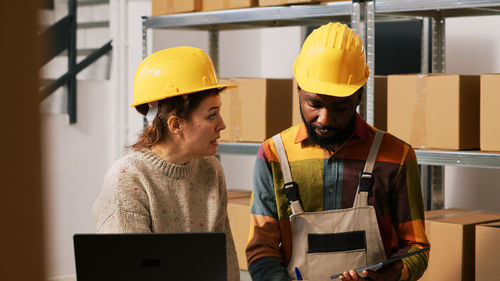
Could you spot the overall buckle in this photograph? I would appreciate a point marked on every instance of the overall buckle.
(365, 182)
(292, 191)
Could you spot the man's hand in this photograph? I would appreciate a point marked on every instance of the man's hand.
(390, 272)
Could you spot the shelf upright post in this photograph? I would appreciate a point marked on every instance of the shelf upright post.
(370, 52)
(213, 50)
(438, 45)
(425, 170)
(213, 37)
(72, 7)
(435, 188)
(144, 55)
(424, 55)
(144, 37)
(363, 23)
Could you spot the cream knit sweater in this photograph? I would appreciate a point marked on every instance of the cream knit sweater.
(144, 193)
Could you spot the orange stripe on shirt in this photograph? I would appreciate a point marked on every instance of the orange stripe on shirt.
(266, 241)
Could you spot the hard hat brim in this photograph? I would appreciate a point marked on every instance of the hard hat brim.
(329, 89)
(220, 87)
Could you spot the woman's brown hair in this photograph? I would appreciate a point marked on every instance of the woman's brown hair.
(181, 106)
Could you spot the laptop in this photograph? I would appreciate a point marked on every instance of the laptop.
(151, 257)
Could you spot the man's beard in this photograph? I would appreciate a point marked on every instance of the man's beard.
(328, 143)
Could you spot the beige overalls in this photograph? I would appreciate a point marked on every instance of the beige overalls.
(330, 242)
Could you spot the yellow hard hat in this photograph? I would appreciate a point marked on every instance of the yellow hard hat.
(173, 72)
(332, 62)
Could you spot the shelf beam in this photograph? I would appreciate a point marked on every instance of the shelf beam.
(238, 148)
(254, 17)
(458, 158)
(448, 8)
(313, 14)
(424, 157)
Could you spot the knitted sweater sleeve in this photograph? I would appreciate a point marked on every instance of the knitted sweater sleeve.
(122, 206)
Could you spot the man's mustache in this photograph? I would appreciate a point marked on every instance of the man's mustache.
(326, 128)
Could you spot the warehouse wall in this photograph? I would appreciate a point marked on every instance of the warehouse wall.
(472, 46)
(77, 156)
(75, 160)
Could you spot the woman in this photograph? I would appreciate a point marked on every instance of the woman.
(171, 182)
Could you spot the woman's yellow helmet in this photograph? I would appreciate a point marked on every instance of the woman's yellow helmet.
(173, 72)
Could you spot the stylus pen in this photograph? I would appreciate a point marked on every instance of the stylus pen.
(297, 272)
(391, 260)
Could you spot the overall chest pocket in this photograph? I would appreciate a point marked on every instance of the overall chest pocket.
(332, 253)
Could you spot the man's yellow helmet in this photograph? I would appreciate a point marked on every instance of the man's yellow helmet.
(332, 62)
(173, 72)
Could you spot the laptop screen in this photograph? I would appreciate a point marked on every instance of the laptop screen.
(150, 256)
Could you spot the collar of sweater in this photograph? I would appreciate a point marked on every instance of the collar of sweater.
(171, 170)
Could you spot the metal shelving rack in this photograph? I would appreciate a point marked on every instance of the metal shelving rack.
(361, 15)
(314, 14)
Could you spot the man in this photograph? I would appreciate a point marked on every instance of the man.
(332, 194)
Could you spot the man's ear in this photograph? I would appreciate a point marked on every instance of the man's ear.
(175, 124)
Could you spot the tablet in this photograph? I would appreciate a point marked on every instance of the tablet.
(384, 263)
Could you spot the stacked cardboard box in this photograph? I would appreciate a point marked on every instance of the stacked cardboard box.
(257, 109)
(211, 5)
(490, 115)
(163, 7)
(326, 1)
(380, 102)
(452, 237)
(238, 194)
(238, 209)
(284, 2)
(434, 110)
(487, 250)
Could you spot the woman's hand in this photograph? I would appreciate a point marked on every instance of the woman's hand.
(390, 272)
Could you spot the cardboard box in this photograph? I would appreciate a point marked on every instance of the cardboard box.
(211, 5)
(434, 110)
(452, 237)
(380, 103)
(257, 109)
(487, 250)
(283, 2)
(163, 7)
(237, 194)
(490, 115)
(239, 219)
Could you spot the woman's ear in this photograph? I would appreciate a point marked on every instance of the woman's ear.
(175, 124)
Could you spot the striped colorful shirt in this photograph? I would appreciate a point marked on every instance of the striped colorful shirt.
(328, 181)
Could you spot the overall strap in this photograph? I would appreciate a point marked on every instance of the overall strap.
(366, 177)
(291, 188)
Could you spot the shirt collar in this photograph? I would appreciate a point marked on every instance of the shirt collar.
(361, 130)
